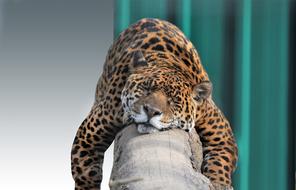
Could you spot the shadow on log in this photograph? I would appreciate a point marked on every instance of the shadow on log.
(167, 160)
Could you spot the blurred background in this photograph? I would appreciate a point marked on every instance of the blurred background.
(52, 52)
(248, 49)
(51, 56)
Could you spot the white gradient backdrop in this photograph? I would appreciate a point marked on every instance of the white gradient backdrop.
(51, 55)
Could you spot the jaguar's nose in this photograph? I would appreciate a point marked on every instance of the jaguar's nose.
(151, 111)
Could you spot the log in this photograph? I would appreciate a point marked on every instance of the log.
(166, 160)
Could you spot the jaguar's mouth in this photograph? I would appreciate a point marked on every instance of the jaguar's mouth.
(145, 124)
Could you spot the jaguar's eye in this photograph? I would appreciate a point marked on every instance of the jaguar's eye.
(196, 98)
(150, 90)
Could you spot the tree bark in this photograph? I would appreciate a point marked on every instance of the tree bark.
(167, 160)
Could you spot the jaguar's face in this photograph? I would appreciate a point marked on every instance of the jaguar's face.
(161, 99)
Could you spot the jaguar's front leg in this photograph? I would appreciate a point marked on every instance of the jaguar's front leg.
(219, 147)
(93, 137)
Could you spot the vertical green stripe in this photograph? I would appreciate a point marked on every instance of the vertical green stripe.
(186, 17)
(244, 140)
(183, 16)
(283, 91)
(268, 161)
(122, 15)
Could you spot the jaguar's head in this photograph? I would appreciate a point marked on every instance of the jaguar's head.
(161, 97)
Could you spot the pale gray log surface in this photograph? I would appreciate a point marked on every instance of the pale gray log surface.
(167, 160)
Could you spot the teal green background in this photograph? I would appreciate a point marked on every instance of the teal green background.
(246, 48)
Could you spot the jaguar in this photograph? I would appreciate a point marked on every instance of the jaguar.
(153, 77)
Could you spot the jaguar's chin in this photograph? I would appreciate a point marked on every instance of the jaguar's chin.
(146, 128)
(149, 128)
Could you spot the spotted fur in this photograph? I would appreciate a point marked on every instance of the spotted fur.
(153, 77)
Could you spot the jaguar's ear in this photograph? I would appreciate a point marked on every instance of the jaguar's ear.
(203, 90)
(138, 59)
